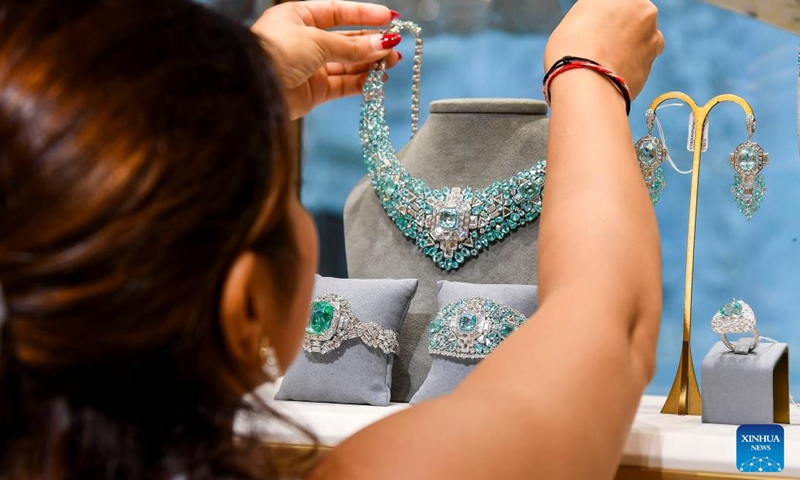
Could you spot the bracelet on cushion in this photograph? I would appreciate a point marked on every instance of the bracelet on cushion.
(568, 63)
(471, 328)
(332, 322)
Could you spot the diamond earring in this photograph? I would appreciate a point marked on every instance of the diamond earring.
(269, 359)
(651, 152)
(748, 184)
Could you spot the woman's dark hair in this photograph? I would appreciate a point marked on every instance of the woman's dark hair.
(139, 142)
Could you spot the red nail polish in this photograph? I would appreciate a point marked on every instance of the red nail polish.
(399, 56)
(395, 15)
(390, 40)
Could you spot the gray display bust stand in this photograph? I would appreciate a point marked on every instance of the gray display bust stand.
(746, 389)
(471, 142)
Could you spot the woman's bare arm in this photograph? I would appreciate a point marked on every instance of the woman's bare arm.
(557, 399)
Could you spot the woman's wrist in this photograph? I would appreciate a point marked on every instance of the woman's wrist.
(586, 86)
(570, 63)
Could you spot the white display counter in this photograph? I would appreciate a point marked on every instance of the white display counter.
(665, 447)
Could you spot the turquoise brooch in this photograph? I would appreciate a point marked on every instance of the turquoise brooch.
(471, 328)
(450, 225)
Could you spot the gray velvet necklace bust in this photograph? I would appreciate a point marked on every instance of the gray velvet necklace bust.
(464, 143)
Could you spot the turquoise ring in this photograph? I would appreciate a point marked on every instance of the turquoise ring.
(332, 322)
(735, 317)
(471, 328)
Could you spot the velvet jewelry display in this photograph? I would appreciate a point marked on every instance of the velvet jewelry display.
(363, 316)
(449, 224)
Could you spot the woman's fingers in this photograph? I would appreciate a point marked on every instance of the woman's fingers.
(336, 68)
(334, 13)
(354, 49)
(611, 33)
(341, 86)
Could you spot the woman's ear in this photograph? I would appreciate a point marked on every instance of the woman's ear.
(242, 315)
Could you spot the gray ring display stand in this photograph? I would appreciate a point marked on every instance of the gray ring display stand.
(749, 388)
(464, 143)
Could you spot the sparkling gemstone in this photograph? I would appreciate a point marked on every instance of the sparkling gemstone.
(467, 322)
(732, 309)
(647, 152)
(481, 349)
(747, 159)
(448, 218)
(436, 325)
(321, 318)
(529, 189)
(506, 330)
(389, 187)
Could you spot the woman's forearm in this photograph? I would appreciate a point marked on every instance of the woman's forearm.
(599, 242)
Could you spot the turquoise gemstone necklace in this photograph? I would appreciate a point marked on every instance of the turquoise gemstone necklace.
(450, 224)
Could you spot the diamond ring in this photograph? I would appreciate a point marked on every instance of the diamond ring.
(332, 322)
(735, 317)
(471, 328)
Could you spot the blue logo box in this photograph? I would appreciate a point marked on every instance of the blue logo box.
(759, 448)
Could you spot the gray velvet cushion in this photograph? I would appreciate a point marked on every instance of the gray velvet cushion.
(446, 373)
(353, 373)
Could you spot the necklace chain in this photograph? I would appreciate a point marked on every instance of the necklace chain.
(416, 77)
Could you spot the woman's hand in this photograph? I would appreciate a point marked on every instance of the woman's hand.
(621, 35)
(315, 65)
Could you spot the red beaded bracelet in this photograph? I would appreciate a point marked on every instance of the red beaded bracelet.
(571, 63)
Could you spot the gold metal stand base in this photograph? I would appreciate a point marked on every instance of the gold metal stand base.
(684, 397)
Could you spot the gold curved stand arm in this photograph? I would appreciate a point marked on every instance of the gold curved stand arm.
(684, 397)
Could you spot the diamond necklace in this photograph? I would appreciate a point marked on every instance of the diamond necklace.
(450, 224)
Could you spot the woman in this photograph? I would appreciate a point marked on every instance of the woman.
(152, 245)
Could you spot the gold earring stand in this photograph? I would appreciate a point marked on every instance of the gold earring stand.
(684, 397)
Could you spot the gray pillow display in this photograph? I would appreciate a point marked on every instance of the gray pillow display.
(447, 373)
(353, 372)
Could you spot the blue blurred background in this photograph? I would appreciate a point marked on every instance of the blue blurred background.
(709, 51)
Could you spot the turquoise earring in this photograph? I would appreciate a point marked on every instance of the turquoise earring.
(748, 184)
(651, 152)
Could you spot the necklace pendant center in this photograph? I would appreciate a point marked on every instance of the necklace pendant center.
(449, 224)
